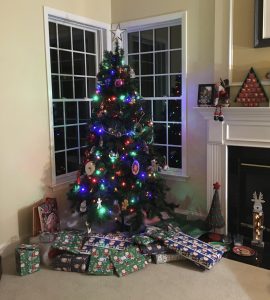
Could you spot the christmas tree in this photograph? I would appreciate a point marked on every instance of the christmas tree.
(119, 176)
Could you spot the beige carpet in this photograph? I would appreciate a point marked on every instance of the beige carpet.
(228, 280)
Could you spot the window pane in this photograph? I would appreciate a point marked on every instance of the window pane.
(84, 111)
(147, 87)
(91, 87)
(161, 86)
(72, 160)
(147, 107)
(71, 112)
(65, 62)
(54, 61)
(79, 64)
(146, 40)
(72, 136)
(79, 83)
(55, 87)
(175, 37)
(64, 36)
(176, 85)
(161, 38)
(161, 63)
(83, 135)
(91, 65)
(159, 110)
(147, 64)
(52, 33)
(174, 110)
(175, 159)
(58, 114)
(176, 62)
(160, 133)
(60, 163)
(174, 131)
(133, 61)
(133, 42)
(78, 39)
(59, 138)
(161, 150)
(66, 87)
(90, 42)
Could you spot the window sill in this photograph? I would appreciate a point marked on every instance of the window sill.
(63, 181)
(175, 175)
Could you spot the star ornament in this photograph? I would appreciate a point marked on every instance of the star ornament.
(216, 186)
(117, 33)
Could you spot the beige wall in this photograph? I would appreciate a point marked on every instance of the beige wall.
(25, 153)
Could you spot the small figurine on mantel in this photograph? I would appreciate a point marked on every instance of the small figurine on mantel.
(258, 218)
(222, 97)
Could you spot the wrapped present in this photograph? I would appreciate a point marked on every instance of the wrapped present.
(70, 241)
(27, 259)
(164, 258)
(142, 240)
(154, 248)
(100, 263)
(110, 241)
(127, 261)
(71, 262)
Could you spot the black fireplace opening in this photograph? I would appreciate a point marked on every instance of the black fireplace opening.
(248, 172)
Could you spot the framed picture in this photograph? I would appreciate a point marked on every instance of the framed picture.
(262, 24)
(206, 93)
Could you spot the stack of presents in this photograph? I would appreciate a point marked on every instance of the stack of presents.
(114, 253)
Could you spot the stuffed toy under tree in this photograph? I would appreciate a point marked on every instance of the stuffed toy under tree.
(119, 176)
(215, 219)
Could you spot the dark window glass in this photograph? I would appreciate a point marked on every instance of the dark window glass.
(161, 38)
(54, 61)
(52, 33)
(161, 150)
(159, 110)
(161, 63)
(83, 135)
(176, 86)
(66, 87)
(161, 86)
(146, 64)
(58, 114)
(174, 134)
(72, 160)
(175, 37)
(175, 159)
(59, 138)
(176, 61)
(133, 42)
(146, 40)
(65, 58)
(90, 42)
(160, 133)
(71, 112)
(78, 39)
(147, 107)
(60, 163)
(79, 64)
(91, 87)
(79, 83)
(147, 87)
(91, 65)
(64, 36)
(55, 87)
(72, 136)
(84, 112)
(133, 61)
(174, 110)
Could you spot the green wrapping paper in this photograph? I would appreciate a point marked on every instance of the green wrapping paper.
(127, 261)
(68, 241)
(143, 240)
(27, 259)
(100, 263)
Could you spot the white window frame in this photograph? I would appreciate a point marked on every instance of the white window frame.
(164, 21)
(71, 20)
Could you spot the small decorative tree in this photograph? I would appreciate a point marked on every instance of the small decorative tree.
(215, 219)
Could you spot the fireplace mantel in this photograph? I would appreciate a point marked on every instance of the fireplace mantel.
(248, 126)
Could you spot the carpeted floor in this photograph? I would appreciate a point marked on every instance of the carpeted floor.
(228, 280)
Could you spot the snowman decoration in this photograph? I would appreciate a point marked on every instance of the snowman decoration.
(258, 218)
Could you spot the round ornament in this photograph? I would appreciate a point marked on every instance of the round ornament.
(118, 82)
(132, 73)
(90, 168)
(83, 206)
(135, 168)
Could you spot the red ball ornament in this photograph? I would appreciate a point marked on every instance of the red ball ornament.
(118, 82)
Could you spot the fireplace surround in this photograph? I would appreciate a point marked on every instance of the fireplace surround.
(242, 127)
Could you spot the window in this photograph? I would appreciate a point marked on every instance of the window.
(156, 51)
(74, 50)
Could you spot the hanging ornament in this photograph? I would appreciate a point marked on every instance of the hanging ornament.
(132, 73)
(101, 141)
(92, 138)
(83, 206)
(118, 82)
(125, 204)
(90, 168)
(99, 203)
(93, 149)
(113, 156)
(135, 168)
